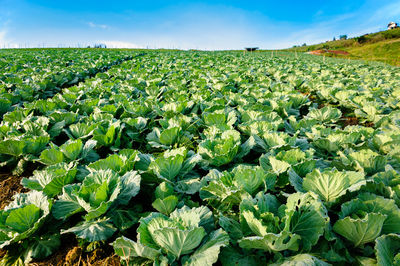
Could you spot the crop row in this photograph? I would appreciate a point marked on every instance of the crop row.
(30, 75)
(193, 158)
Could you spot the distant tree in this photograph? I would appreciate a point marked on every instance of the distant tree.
(361, 39)
(334, 38)
(100, 45)
(343, 37)
(304, 44)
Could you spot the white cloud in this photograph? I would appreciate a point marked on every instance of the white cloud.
(101, 26)
(119, 44)
(2, 36)
(4, 42)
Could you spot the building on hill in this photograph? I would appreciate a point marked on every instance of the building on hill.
(392, 25)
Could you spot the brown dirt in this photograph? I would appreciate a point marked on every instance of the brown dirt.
(70, 254)
(9, 186)
(320, 52)
(75, 257)
(68, 248)
(2, 253)
(100, 257)
(369, 124)
(349, 121)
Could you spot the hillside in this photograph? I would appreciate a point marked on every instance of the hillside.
(382, 46)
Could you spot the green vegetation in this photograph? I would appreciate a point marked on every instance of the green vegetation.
(382, 46)
(196, 158)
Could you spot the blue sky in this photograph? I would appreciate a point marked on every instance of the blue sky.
(189, 24)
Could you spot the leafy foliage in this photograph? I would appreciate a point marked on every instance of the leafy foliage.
(212, 158)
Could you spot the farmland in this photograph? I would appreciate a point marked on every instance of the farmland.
(196, 158)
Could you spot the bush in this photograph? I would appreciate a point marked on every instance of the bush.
(391, 34)
(361, 39)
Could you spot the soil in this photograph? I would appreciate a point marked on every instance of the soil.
(70, 254)
(9, 186)
(369, 124)
(350, 121)
(337, 52)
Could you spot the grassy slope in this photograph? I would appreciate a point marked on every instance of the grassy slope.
(382, 46)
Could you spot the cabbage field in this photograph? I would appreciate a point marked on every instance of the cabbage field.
(198, 158)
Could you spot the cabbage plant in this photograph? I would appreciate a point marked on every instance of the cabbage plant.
(187, 237)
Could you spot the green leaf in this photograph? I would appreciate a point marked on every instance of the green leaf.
(128, 249)
(166, 205)
(208, 253)
(68, 203)
(387, 249)
(278, 166)
(57, 183)
(123, 219)
(24, 218)
(52, 179)
(178, 242)
(35, 144)
(56, 129)
(51, 156)
(326, 114)
(96, 230)
(168, 168)
(143, 234)
(80, 130)
(130, 186)
(221, 150)
(12, 147)
(330, 185)
(369, 161)
(197, 216)
(99, 195)
(272, 242)
(44, 246)
(106, 136)
(224, 194)
(72, 149)
(302, 259)
(255, 225)
(112, 162)
(248, 177)
(237, 256)
(307, 217)
(169, 136)
(231, 226)
(5, 105)
(212, 119)
(371, 203)
(360, 231)
(164, 190)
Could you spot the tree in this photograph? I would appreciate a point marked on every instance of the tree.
(334, 38)
(343, 37)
